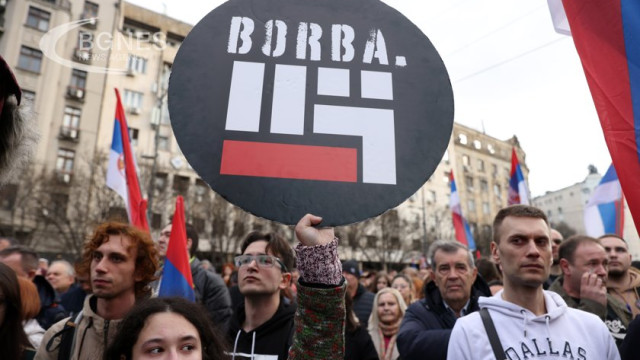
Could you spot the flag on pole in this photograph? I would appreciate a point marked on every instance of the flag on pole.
(518, 192)
(176, 274)
(607, 37)
(460, 224)
(604, 212)
(558, 17)
(121, 171)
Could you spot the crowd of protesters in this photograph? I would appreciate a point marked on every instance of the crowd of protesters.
(277, 302)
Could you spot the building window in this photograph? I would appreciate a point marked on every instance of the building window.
(38, 19)
(471, 205)
(480, 165)
(198, 224)
(468, 181)
(485, 208)
(466, 161)
(160, 181)
(78, 79)
(462, 138)
(64, 164)
(59, 202)
(156, 221)
(477, 144)
(181, 184)
(30, 59)
(445, 157)
(137, 64)
(432, 196)
(71, 122)
(372, 241)
(498, 191)
(491, 149)
(494, 169)
(163, 143)
(484, 186)
(133, 136)
(132, 99)
(90, 10)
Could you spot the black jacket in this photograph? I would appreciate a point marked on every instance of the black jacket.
(274, 337)
(213, 294)
(427, 324)
(362, 305)
(50, 309)
(358, 345)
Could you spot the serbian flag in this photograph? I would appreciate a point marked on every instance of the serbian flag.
(460, 224)
(518, 192)
(121, 171)
(604, 212)
(606, 34)
(176, 274)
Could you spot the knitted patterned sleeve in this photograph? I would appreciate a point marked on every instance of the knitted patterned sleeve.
(319, 264)
(319, 324)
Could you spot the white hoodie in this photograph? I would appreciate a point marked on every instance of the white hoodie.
(562, 333)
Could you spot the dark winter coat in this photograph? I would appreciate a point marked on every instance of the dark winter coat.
(362, 305)
(427, 324)
(358, 345)
(50, 309)
(213, 294)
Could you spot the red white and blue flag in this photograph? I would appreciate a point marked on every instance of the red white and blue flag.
(121, 171)
(604, 213)
(606, 34)
(518, 192)
(460, 224)
(176, 273)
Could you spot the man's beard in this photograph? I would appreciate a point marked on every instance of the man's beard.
(616, 274)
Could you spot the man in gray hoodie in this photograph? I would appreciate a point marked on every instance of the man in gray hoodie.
(532, 323)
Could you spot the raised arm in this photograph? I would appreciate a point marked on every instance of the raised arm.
(320, 315)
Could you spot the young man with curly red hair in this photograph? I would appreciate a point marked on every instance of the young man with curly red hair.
(121, 261)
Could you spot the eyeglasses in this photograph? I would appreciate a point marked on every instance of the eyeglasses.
(263, 261)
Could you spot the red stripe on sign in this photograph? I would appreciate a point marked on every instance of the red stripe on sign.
(289, 161)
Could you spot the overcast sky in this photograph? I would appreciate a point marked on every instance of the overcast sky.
(511, 74)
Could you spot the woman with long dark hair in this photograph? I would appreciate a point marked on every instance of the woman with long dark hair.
(166, 325)
(13, 341)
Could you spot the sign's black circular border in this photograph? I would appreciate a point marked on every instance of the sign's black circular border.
(422, 105)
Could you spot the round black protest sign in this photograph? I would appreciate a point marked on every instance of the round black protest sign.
(338, 108)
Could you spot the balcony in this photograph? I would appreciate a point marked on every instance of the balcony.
(82, 56)
(69, 133)
(93, 24)
(75, 93)
(63, 177)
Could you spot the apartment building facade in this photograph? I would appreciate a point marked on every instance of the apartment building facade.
(111, 44)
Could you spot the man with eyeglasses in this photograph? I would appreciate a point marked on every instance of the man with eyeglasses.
(263, 326)
(623, 283)
(556, 240)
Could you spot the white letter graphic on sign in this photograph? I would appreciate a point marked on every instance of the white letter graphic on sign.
(245, 96)
(281, 38)
(244, 35)
(378, 137)
(376, 47)
(312, 40)
(346, 42)
(287, 112)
